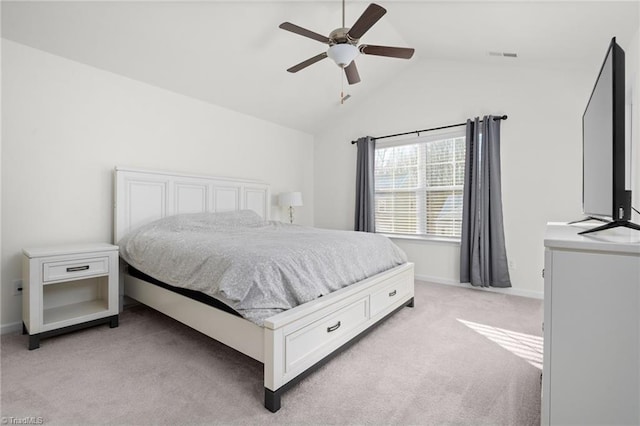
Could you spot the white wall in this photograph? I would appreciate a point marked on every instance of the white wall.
(632, 73)
(541, 150)
(632, 61)
(66, 126)
(1, 138)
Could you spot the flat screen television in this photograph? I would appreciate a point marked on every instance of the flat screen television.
(604, 193)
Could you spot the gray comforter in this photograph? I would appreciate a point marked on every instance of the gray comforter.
(257, 267)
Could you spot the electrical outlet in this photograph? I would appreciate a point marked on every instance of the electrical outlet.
(17, 287)
(512, 265)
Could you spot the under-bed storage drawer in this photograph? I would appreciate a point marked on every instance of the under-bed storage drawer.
(309, 340)
(389, 295)
(73, 269)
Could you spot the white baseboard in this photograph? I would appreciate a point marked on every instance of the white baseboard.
(512, 291)
(14, 327)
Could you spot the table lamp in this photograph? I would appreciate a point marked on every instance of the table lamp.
(290, 200)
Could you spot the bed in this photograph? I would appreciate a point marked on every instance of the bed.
(290, 343)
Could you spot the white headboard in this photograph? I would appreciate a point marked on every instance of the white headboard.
(142, 196)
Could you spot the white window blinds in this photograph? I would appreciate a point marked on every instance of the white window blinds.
(418, 185)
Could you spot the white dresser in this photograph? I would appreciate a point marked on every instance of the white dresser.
(591, 326)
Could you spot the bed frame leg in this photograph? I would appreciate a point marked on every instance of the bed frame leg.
(411, 303)
(272, 400)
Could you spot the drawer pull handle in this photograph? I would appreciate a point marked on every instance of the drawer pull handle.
(333, 327)
(78, 268)
(393, 293)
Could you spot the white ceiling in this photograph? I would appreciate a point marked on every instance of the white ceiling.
(234, 55)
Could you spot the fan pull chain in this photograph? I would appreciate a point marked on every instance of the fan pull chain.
(343, 97)
(341, 87)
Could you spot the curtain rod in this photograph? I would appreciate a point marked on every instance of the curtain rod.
(502, 117)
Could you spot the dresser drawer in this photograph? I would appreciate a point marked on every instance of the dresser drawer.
(74, 269)
(389, 295)
(310, 340)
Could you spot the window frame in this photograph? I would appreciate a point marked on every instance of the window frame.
(421, 189)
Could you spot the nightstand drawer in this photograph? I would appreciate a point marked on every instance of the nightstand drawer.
(72, 269)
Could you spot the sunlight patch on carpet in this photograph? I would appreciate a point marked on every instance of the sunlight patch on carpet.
(526, 346)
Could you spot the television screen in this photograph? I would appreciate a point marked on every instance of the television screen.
(604, 194)
(597, 126)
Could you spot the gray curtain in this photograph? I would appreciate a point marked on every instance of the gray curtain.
(483, 256)
(365, 205)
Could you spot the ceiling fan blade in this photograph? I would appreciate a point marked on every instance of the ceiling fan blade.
(391, 52)
(351, 72)
(370, 16)
(308, 62)
(288, 26)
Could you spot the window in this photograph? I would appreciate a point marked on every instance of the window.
(418, 185)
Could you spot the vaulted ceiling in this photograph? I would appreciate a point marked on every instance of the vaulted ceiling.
(234, 55)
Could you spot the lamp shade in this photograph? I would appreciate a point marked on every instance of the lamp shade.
(343, 54)
(290, 199)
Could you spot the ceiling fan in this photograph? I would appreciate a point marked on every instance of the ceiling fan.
(343, 43)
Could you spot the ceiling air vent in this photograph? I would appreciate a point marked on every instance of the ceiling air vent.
(505, 54)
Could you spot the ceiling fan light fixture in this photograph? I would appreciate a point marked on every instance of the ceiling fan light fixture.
(343, 54)
(343, 43)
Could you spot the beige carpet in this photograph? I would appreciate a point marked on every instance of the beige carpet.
(422, 366)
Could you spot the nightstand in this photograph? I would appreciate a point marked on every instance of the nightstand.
(66, 288)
